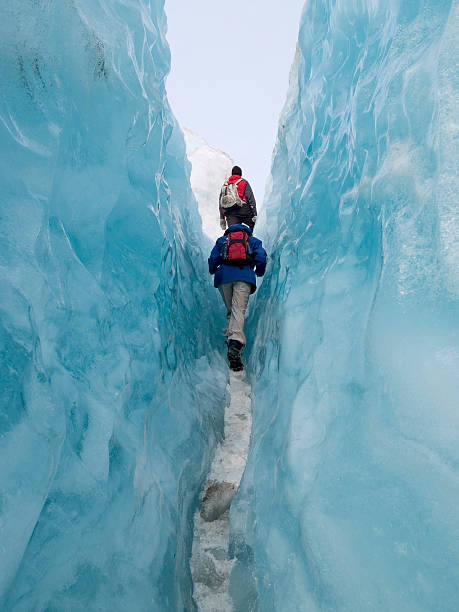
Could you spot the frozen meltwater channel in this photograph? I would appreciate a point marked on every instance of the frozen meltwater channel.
(210, 566)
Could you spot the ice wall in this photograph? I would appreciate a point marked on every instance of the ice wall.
(350, 497)
(210, 168)
(111, 395)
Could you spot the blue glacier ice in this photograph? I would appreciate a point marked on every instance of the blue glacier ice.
(350, 497)
(111, 393)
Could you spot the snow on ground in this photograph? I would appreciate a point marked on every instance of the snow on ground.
(210, 566)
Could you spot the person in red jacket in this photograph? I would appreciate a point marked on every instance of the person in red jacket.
(247, 213)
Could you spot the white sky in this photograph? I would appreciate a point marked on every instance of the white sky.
(229, 76)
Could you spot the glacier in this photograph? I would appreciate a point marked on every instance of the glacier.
(112, 391)
(349, 499)
(113, 382)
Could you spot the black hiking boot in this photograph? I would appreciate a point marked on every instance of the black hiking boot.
(234, 355)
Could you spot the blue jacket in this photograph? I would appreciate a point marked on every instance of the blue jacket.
(228, 274)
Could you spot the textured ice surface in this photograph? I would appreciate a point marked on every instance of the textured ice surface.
(350, 496)
(110, 396)
(209, 169)
(210, 565)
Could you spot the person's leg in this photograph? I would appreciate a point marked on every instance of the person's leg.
(240, 299)
(242, 215)
(226, 291)
(245, 216)
(249, 222)
(232, 220)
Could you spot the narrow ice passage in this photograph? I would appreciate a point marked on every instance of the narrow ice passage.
(210, 566)
(112, 376)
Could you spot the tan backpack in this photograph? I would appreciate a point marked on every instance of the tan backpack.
(229, 195)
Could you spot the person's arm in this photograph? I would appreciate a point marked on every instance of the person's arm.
(250, 198)
(215, 259)
(222, 214)
(259, 256)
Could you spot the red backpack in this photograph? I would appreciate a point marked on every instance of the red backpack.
(236, 249)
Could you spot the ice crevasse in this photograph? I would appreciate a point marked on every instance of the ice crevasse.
(349, 500)
(111, 394)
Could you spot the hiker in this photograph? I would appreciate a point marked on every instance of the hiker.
(232, 260)
(237, 202)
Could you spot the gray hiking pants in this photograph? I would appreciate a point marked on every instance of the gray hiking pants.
(236, 297)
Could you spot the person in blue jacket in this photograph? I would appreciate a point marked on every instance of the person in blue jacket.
(236, 283)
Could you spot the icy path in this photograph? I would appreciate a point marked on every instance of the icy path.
(210, 567)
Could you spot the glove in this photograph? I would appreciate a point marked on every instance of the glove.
(223, 224)
(254, 219)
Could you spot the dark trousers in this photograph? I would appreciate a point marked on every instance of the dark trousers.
(240, 214)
